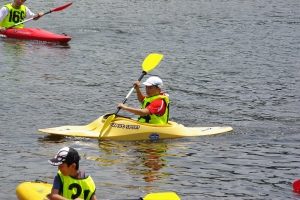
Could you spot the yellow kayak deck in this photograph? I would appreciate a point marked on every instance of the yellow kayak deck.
(33, 190)
(122, 128)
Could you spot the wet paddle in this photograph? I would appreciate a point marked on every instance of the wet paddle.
(160, 196)
(296, 186)
(150, 62)
(50, 11)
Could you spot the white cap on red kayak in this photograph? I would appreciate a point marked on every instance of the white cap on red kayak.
(154, 80)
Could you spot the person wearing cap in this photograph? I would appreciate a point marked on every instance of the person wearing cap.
(155, 106)
(16, 12)
(70, 182)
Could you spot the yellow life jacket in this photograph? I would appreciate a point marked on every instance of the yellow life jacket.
(155, 119)
(14, 16)
(73, 188)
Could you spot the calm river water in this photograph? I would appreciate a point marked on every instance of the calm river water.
(227, 62)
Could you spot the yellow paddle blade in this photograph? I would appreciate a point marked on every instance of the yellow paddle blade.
(106, 124)
(151, 61)
(162, 196)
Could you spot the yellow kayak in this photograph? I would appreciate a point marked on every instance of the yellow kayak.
(33, 190)
(122, 128)
(39, 190)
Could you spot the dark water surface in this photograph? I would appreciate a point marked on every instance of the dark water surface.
(231, 62)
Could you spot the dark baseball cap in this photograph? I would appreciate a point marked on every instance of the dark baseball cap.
(65, 155)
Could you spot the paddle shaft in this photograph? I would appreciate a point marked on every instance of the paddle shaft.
(50, 11)
(142, 75)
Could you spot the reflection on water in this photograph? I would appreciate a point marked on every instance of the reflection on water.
(13, 46)
(140, 159)
(152, 157)
(19, 58)
(17, 52)
(14, 51)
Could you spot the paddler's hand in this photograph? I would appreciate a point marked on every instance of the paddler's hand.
(137, 83)
(39, 15)
(122, 106)
(2, 29)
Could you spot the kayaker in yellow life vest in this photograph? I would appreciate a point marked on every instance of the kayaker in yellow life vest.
(155, 106)
(10, 14)
(70, 183)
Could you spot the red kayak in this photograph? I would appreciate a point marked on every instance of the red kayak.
(35, 34)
